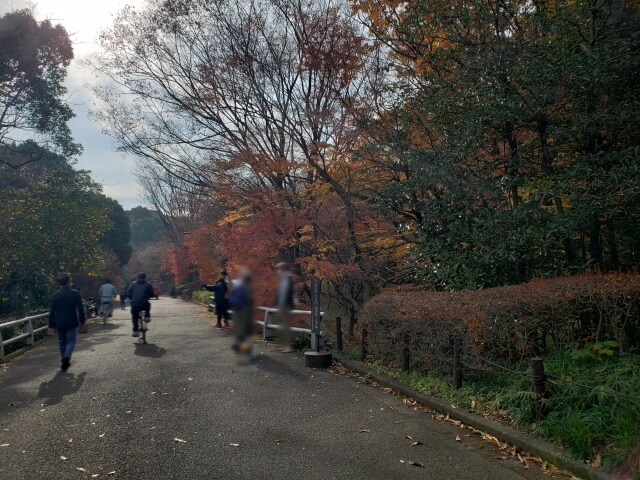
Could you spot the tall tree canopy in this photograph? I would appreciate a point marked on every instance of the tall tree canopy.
(34, 57)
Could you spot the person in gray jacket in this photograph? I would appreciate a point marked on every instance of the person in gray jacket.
(106, 294)
(65, 316)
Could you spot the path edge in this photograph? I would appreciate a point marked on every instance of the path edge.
(541, 448)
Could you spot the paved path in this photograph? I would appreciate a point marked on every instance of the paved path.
(122, 405)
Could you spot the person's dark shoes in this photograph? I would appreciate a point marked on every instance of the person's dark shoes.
(226, 324)
(66, 362)
(219, 325)
(135, 334)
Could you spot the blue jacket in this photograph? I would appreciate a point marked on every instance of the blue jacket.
(140, 292)
(67, 310)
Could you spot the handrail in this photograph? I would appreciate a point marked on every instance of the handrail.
(28, 332)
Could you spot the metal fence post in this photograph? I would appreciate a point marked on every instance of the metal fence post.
(539, 380)
(457, 364)
(363, 344)
(1, 348)
(406, 355)
(266, 322)
(339, 333)
(29, 329)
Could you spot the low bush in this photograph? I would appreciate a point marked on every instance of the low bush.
(509, 323)
(201, 296)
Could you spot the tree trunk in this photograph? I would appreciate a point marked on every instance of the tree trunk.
(595, 247)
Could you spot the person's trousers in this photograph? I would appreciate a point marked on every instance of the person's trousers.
(135, 313)
(284, 319)
(221, 311)
(67, 341)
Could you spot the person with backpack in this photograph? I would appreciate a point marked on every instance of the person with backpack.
(65, 316)
(220, 291)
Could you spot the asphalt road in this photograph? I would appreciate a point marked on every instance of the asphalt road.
(186, 407)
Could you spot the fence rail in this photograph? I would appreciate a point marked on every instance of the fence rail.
(28, 332)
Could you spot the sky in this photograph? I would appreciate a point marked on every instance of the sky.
(84, 20)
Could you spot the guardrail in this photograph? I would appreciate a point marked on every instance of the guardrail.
(28, 331)
(268, 311)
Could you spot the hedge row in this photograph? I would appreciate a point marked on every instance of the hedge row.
(508, 323)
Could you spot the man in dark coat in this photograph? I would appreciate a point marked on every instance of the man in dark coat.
(139, 293)
(220, 291)
(65, 315)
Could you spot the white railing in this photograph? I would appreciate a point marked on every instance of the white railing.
(266, 324)
(28, 331)
(268, 311)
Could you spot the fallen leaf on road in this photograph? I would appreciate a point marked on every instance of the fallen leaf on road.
(234, 444)
(415, 444)
(364, 431)
(190, 378)
(101, 435)
(416, 464)
(152, 428)
(81, 469)
(458, 439)
(179, 440)
(397, 423)
(128, 411)
(153, 393)
(71, 440)
(63, 458)
(5, 445)
(278, 440)
(95, 475)
(111, 473)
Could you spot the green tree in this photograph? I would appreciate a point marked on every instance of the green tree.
(34, 57)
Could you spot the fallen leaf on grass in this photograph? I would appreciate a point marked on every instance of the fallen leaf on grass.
(179, 440)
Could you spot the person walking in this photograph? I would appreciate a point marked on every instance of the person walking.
(220, 291)
(106, 294)
(241, 301)
(66, 314)
(285, 303)
(139, 293)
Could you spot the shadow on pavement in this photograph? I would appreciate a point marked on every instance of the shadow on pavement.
(63, 384)
(271, 365)
(150, 350)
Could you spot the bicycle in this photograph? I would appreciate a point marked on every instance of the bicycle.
(106, 307)
(142, 326)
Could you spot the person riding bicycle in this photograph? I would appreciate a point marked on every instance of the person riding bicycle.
(139, 293)
(106, 294)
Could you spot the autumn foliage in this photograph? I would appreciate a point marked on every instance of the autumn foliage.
(509, 323)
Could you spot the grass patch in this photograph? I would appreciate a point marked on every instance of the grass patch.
(583, 414)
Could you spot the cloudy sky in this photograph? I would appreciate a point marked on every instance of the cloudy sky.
(84, 20)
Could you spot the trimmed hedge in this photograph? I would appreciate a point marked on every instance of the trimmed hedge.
(509, 323)
(201, 296)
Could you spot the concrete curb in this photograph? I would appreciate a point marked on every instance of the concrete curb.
(545, 450)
